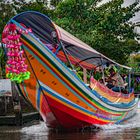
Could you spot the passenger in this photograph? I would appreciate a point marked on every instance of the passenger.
(108, 78)
(98, 74)
(109, 82)
(101, 81)
(116, 80)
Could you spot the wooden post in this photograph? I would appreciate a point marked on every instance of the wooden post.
(85, 75)
(17, 106)
(5, 102)
(5, 89)
(2, 106)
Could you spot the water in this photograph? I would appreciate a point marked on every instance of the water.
(129, 130)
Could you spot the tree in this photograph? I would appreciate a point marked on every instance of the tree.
(106, 28)
(37, 5)
(2, 63)
(55, 2)
(134, 62)
(6, 13)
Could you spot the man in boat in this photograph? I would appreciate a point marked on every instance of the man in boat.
(98, 74)
(115, 81)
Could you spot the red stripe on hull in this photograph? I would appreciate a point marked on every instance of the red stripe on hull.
(69, 118)
(47, 114)
(68, 121)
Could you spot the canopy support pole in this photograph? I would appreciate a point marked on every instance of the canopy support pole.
(85, 75)
(66, 55)
(103, 75)
(129, 81)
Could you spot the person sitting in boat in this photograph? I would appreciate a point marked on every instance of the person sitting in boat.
(116, 80)
(97, 73)
(108, 75)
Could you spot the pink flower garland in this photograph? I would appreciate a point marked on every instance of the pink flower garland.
(16, 67)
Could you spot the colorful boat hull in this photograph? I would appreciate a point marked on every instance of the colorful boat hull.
(62, 99)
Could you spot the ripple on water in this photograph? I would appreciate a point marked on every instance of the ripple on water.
(129, 130)
(133, 122)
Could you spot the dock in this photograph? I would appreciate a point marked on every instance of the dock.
(14, 109)
(14, 121)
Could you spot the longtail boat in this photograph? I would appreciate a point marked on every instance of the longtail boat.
(54, 88)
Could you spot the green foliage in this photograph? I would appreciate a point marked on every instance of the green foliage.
(40, 6)
(36, 5)
(134, 62)
(55, 2)
(2, 63)
(106, 28)
(137, 58)
(6, 13)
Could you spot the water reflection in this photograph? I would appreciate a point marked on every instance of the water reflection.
(130, 130)
(9, 133)
(41, 132)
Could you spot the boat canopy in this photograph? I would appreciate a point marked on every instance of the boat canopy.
(50, 34)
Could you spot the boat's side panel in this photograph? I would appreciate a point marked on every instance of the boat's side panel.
(30, 89)
(62, 105)
(109, 94)
(45, 76)
(66, 80)
(45, 67)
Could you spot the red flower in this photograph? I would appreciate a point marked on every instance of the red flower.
(12, 27)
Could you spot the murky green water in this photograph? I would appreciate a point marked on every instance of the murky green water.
(130, 130)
